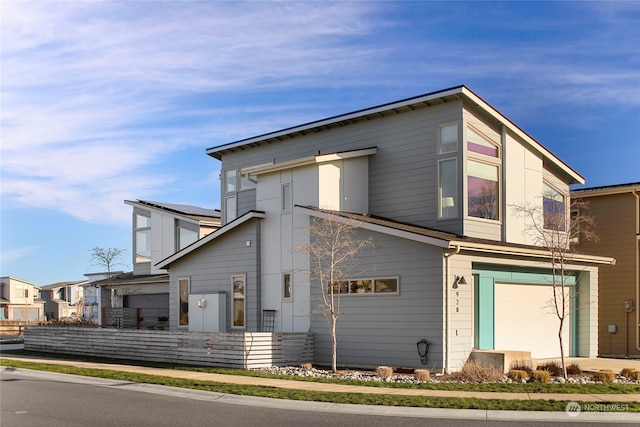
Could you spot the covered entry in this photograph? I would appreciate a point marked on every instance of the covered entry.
(513, 312)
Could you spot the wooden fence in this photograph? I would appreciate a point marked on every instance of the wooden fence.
(235, 350)
(12, 329)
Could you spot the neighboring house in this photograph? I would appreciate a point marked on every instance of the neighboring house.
(431, 180)
(92, 310)
(159, 230)
(64, 300)
(616, 211)
(20, 300)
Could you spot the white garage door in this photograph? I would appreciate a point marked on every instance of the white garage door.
(524, 321)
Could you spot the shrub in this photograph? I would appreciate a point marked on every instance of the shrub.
(630, 373)
(384, 371)
(521, 365)
(422, 375)
(554, 368)
(473, 371)
(541, 376)
(574, 369)
(604, 375)
(517, 374)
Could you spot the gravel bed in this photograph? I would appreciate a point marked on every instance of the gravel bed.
(410, 378)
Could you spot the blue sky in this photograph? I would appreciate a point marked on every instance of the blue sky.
(103, 101)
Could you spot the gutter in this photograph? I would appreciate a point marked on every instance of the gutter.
(447, 310)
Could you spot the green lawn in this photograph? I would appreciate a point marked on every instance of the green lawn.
(354, 398)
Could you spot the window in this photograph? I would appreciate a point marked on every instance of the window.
(183, 290)
(239, 289)
(286, 197)
(447, 189)
(553, 203)
(365, 286)
(22, 291)
(482, 186)
(184, 235)
(286, 286)
(230, 211)
(478, 143)
(574, 222)
(247, 182)
(448, 138)
(143, 237)
(230, 184)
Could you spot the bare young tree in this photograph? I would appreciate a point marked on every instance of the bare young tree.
(333, 251)
(107, 258)
(557, 228)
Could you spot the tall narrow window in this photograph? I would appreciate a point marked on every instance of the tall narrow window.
(239, 301)
(230, 210)
(143, 237)
(555, 214)
(448, 139)
(447, 189)
(286, 197)
(230, 181)
(183, 290)
(286, 286)
(482, 189)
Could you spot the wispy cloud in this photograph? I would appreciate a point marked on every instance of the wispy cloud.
(12, 255)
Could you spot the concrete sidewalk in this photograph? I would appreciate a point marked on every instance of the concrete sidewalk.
(326, 387)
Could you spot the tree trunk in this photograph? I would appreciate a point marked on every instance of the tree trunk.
(564, 365)
(334, 345)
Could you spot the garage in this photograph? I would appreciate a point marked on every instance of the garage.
(524, 320)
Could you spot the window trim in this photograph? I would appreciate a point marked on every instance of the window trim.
(283, 208)
(244, 301)
(180, 324)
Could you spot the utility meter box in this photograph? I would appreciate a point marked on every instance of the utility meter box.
(613, 329)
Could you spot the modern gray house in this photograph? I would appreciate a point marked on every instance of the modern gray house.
(431, 180)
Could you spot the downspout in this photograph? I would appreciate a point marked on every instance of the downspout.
(637, 242)
(447, 321)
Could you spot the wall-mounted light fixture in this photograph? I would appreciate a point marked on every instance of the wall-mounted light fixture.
(459, 280)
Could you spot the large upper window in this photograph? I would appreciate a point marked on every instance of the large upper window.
(555, 210)
(143, 237)
(482, 185)
(185, 237)
(239, 301)
(183, 290)
(483, 175)
(230, 181)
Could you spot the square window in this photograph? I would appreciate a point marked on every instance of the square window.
(386, 285)
(361, 286)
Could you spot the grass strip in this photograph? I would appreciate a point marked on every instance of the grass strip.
(278, 393)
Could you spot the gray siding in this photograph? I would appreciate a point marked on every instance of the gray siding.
(210, 269)
(402, 175)
(384, 329)
(246, 201)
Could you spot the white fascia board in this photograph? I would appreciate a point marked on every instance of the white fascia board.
(520, 133)
(534, 253)
(209, 237)
(379, 228)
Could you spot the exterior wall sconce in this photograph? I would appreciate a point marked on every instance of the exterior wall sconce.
(423, 350)
(459, 280)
